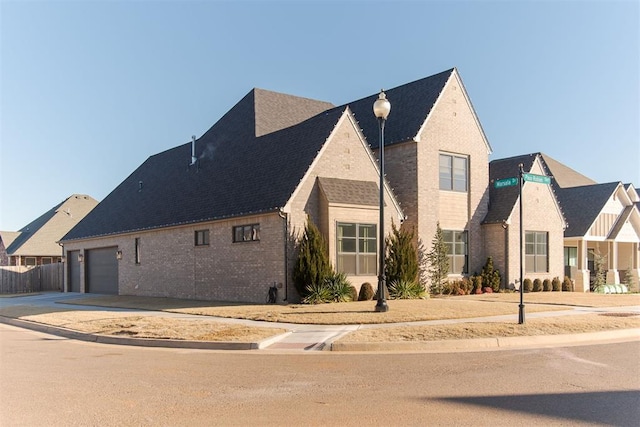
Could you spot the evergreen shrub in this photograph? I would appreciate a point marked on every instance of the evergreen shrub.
(366, 292)
(537, 285)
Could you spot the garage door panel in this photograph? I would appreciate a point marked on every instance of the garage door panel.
(102, 271)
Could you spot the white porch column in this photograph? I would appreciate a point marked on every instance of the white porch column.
(612, 271)
(582, 276)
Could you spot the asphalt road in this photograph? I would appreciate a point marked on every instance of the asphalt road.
(53, 381)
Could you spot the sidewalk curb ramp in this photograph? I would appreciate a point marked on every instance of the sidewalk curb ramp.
(443, 346)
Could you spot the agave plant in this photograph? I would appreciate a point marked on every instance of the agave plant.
(317, 294)
(339, 287)
(405, 289)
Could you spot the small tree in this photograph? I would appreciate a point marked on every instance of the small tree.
(401, 264)
(438, 262)
(598, 264)
(490, 277)
(312, 266)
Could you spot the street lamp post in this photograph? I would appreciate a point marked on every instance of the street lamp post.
(381, 108)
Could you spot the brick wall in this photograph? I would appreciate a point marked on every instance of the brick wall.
(172, 266)
(413, 171)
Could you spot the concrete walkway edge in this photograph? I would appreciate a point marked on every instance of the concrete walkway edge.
(480, 344)
(445, 346)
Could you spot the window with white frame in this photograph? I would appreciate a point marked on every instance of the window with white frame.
(356, 246)
(453, 172)
(457, 252)
(536, 245)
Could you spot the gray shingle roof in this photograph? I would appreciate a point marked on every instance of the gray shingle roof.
(411, 103)
(237, 172)
(40, 237)
(250, 161)
(363, 193)
(503, 200)
(582, 205)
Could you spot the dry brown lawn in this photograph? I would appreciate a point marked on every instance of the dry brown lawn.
(139, 326)
(541, 326)
(362, 312)
(208, 329)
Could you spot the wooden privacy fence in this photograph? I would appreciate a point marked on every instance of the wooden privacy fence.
(18, 280)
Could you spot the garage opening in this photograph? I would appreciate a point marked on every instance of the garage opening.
(102, 271)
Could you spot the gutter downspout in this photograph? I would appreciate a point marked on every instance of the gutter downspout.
(285, 217)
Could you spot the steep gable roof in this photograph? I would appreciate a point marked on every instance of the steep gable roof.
(583, 204)
(411, 104)
(40, 237)
(564, 176)
(236, 174)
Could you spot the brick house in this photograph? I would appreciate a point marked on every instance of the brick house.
(213, 219)
(543, 222)
(36, 243)
(218, 227)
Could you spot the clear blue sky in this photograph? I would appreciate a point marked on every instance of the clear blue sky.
(89, 90)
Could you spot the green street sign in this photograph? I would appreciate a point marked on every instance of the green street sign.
(540, 179)
(506, 182)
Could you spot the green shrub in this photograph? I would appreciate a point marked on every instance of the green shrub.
(629, 280)
(354, 293)
(546, 285)
(339, 287)
(312, 265)
(366, 292)
(567, 284)
(490, 277)
(476, 282)
(403, 289)
(556, 285)
(537, 285)
(460, 287)
(401, 262)
(528, 285)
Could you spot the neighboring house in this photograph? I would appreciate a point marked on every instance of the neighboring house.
(221, 227)
(543, 223)
(603, 221)
(37, 242)
(214, 219)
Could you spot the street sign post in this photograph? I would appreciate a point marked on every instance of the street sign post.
(519, 181)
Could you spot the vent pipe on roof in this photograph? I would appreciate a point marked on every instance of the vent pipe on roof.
(194, 159)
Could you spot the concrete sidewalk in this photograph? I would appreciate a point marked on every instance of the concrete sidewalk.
(322, 337)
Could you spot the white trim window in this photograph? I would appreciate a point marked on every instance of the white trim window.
(457, 250)
(356, 247)
(536, 245)
(453, 172)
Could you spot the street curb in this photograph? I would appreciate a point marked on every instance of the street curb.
(140, 342)
(480, 344)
